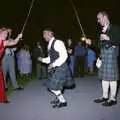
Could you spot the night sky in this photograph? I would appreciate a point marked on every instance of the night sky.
(57, 14)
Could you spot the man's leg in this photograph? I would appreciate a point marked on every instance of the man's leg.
(38, 70)
(62, 102)
(113, 89)
(105, 88)
(72, 64)
(12, 73)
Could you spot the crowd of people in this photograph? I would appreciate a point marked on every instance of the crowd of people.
(63, 63)
(81, 58)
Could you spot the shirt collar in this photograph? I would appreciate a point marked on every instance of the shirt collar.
(105, 27)
(50, 42)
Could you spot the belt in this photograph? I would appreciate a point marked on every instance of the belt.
(108, 46)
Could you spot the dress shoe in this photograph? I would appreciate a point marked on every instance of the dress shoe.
(56, 101)
(109, 103)
(60, 105)
(6, 102)
(19, 88)
(100, 100)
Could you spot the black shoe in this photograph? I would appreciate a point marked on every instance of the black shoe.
(19, 88)
(6, 102)
(56, 101)
(60, 105)
(109, 103)
(100, 100)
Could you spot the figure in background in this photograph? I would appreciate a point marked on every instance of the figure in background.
(41, 71)
(71, 57)
(91, 56)
(25, 62)
(80, 58)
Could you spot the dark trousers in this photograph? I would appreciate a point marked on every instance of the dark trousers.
(80, 65)
(41, 71)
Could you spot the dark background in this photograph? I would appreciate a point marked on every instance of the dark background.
(57, 14)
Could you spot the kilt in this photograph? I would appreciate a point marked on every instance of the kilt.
(59, 78)
(109, 68)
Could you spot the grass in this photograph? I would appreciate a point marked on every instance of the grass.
(22, 80)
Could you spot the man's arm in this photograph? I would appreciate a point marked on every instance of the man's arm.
(44, 60)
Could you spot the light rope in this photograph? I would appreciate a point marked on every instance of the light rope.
(27, 15)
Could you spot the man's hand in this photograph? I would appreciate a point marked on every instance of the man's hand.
(104, 37)
(20, 36)
(40, 59)
(69, 51)
(98, 63)
(50, 67)
(88, 42)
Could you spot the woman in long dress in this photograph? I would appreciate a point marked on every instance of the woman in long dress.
(3, 44)
(24, 61)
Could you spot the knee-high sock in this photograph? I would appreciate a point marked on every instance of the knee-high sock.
(105, 87)
(113, 90)
(59, 95)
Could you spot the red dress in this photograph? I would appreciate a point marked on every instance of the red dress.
(3, 97)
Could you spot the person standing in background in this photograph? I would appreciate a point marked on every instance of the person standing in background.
(41, 71)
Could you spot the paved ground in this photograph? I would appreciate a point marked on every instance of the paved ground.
(33, 103)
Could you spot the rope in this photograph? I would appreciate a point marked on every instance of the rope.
(27, 16)
(78, 19)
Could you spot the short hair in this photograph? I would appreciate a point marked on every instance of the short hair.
(104, 13)
(49, 29)
(3, 29)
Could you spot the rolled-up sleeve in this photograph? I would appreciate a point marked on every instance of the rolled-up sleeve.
(46, 60)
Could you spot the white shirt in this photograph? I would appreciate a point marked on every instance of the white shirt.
(105, 28)
(61, 49)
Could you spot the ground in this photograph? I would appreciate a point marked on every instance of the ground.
(33, 103)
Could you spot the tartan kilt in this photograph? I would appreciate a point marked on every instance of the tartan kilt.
(59, 78)
(109, 68)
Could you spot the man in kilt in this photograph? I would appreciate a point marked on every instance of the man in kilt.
(108, 71)
(59, 73)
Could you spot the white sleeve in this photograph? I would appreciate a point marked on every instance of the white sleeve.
(46, 60)
(61, 49)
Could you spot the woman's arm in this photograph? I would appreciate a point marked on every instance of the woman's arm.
(13, 42)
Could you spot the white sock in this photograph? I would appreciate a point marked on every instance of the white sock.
(59, 95)
(56, 92)
(113, 89)
(105, 87)
(61, 98)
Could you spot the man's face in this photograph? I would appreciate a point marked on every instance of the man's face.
(47, 35)
(69, 41)
(102, 19)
